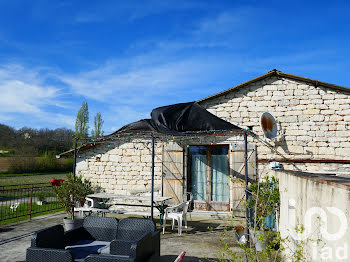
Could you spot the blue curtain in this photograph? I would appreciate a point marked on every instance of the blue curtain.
(199, 178)
(219, 176)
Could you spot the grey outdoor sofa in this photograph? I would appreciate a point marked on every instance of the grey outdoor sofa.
(100, 239)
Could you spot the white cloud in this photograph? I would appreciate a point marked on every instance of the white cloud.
(23, 90)
(57, 119)
(28, 100)
(136, 83)
(223, 23)
(129, 11)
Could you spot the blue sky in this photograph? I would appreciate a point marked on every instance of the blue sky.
(126, 57)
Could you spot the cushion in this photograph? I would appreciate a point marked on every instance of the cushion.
(83, 248)
(105, 250)
(51, 237)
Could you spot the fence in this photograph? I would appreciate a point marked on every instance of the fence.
(21, 201)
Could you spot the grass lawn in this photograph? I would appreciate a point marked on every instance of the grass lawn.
(7, 216)
(22, 191)
(31, 178)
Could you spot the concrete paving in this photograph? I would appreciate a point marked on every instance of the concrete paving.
(199, 242)
(15, 238)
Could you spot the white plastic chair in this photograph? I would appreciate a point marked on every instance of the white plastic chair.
(14, 206)
(91, 202)
(188, 196)
(91, 205)
(177, 213)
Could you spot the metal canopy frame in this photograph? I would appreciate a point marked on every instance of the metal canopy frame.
(153, 137)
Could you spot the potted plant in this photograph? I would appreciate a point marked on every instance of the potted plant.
(240, 230)
(41, 196)
(264, 200)
(70, 193)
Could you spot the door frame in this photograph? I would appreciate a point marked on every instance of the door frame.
(208, 205)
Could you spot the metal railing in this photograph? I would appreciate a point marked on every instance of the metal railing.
(26, 201)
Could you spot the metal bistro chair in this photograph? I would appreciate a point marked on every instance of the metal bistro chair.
(177, 212)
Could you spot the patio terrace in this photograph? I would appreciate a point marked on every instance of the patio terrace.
(199, 242)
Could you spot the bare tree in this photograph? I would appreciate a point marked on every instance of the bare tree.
(98, 123)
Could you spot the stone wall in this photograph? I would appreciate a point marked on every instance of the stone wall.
(315, 120)
(123, 168)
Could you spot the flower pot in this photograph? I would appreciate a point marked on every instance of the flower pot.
(240, 232)
(72, 223)
(259, 245)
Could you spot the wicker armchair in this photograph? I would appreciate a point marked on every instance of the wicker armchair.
(131, 229)
(48, 245)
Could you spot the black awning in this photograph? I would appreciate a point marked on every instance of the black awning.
(180, 119)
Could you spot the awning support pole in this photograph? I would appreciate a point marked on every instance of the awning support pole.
(152, 176)
(75, 156)
(74, 166)
(246, 180)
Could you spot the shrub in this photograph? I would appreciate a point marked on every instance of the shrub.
(45, 163)
(20, 165)
(72, 191)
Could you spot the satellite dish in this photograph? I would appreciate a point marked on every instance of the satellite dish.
(268, 125)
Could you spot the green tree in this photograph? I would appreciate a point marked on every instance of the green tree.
(98, 123)
(82, 121)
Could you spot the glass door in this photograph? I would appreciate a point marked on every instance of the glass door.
(208, 179)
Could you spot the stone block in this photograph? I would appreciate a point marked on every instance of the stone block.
(311, 150)
(327, 112)
(342, 128)
(344, 152)
(298, 92)
(317, 118)
(270, 88)
(335, 118)
(278, 93)
(146, 158)
(311, 92)
(334, 106)
(312, 112)
(291, 119)
(296, 149)
(261, 93)
(340, 96)
(342, 133)
(328, 97)
(114, 158)
(236, 114)
(304, 87)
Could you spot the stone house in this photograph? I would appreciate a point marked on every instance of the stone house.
(313, 120)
